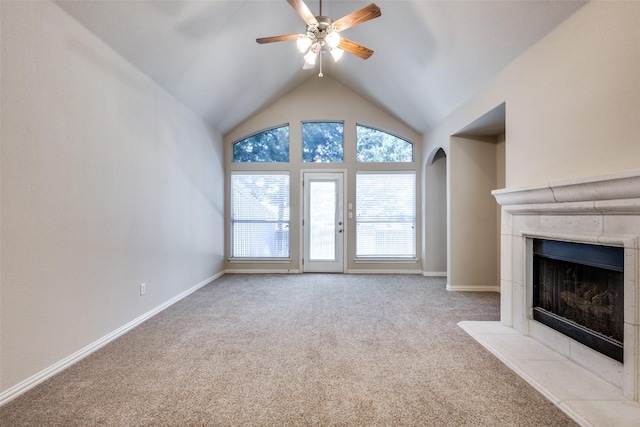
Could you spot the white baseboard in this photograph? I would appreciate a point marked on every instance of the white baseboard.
(358, 271)
(47, 373)
(263, 271)
(434, 273)
(472, 288)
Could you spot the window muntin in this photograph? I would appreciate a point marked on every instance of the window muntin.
(322, 141)
(260, 215)
(271, 145)
(386, 215)
(374, 145)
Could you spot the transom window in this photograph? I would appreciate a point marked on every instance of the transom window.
(271, 145)
(260, 215)
(374, 145)
(322, 142)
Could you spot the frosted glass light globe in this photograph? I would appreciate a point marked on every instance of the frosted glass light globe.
(303, 43)
(333, 39)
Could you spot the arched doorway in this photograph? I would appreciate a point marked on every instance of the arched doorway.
(435, 214)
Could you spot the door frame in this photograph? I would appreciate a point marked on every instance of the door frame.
(303, 214)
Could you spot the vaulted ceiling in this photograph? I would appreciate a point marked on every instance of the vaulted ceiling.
(430, 56)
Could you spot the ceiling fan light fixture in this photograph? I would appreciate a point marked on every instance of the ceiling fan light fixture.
(303, 43)
(323, 34)
(310, 57)
(333, 39)
(336, 53)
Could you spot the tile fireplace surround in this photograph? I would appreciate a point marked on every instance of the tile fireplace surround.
(603, 210)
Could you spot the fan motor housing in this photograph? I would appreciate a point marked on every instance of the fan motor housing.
(320, 31)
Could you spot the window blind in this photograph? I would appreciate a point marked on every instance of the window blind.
(386, 215)
(260, 215)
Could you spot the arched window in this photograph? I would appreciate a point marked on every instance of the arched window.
(271, 145)
(373, 145)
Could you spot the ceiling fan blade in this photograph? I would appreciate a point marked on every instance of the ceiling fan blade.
(358, 17)
(273, 39)
(355, 48)
(303, 10)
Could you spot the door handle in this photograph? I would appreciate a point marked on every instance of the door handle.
(340, 231)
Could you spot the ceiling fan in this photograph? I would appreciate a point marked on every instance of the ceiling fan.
(323, 34)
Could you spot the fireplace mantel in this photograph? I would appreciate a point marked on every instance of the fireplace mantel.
(617, 194)
(603, 210)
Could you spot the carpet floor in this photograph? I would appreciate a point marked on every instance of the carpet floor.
(306, 349)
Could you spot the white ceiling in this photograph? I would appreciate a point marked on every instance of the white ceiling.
(430, 56)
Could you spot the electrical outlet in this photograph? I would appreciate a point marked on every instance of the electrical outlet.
(143, 288)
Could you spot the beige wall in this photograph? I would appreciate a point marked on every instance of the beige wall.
(572, 103)
(322, 99)
(107, 182)
(501, 145)
(435, 223)
(473, 230)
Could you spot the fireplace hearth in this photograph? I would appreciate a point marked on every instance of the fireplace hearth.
(578, 290)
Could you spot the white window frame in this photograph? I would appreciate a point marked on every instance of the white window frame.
(233, 221)
(400, 258)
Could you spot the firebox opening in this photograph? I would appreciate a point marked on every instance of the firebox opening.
(578, 290)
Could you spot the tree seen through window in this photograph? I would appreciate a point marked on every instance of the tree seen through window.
(269, 146)
(373, 145)
(322, 142)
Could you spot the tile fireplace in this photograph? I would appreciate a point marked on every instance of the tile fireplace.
(593, 301)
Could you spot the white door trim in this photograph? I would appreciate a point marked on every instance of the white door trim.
(305, 173)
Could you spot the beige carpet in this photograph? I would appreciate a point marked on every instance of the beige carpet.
(279, 350)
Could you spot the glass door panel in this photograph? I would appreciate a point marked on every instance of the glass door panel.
(322, 220)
